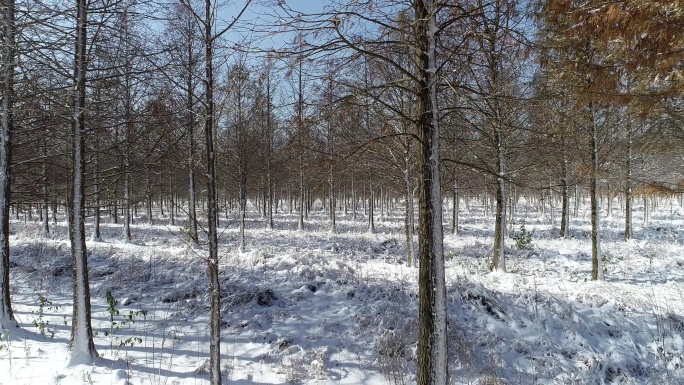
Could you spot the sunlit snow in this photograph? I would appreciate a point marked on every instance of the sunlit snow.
(313, 307)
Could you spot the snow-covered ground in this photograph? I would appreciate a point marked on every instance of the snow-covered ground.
(319, 308)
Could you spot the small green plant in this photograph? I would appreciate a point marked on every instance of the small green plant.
(449, 255)
(86, 376)
(113, 311)
(41, 323)
(523, 240)
(610, 260)
(115, 325)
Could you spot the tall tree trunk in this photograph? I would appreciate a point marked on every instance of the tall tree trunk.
(565, 220)
(7, 131)
(190, 106)
(172, 201)
(96, 184)
(331, 171)
(212, 203)
(609, 202)
(409, 217)
(353, 188)
(371, 204)
(148, 195)
(628, 183)
(128, 116)
(242, 192)
(126, 206)
(499, 256)
(269, 152)
(345, 198)
(596, 258)
(432, 338)
(300, 127)
(381, 200)
(454, 210)
(44, 181)
(331, 200)
(81, 343)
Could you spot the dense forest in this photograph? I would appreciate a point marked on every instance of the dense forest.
(123, 112)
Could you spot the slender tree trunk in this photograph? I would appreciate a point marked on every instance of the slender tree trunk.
(381, 200)
(126, 206)
(96, 230)
(81, 343)
(128, 116)
(44, 181)
(242, 191)
(454, 210)
(300, 124)
(596, 258)
(190, 106)
(8, 47)
(331, 200)
(345, 207)
(432, 338)
(148, 196)
(499, 256)
(409, 218)
(269, 153)
(371, 204)
(646, 208)
(353, 188)
(114, 210)
(609, 201)
(331, 171)
(565, 220)
(192, 203)
(172, 201)
(628, 183)
(162, 198)
(212, 203)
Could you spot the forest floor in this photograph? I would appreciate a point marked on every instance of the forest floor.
(313, 307)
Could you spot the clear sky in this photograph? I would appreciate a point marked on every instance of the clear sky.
(262, 16)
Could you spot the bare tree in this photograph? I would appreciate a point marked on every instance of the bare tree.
(207, 22)
(81, 344)
(432, 341)
(8, 49)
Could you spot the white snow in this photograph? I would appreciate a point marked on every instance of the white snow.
(313, 307)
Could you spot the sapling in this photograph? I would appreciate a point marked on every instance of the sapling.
(115, 325)
(523, 240)
(40, 322)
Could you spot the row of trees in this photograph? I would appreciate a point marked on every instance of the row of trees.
(364, 102)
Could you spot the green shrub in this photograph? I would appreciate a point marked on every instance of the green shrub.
(523, 240)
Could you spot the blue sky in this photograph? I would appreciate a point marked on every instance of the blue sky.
(263, 16)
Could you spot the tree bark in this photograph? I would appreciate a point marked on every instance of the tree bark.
(81, 343)
(409, 220)
(269, 153)
(628, 183)
(596, 258)
(565, 220)
(6, 134)
(96, 184)
(498, 252)
(190, 107)
(432, 339)
(128, 116)
(212, 203)
(454, 210)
